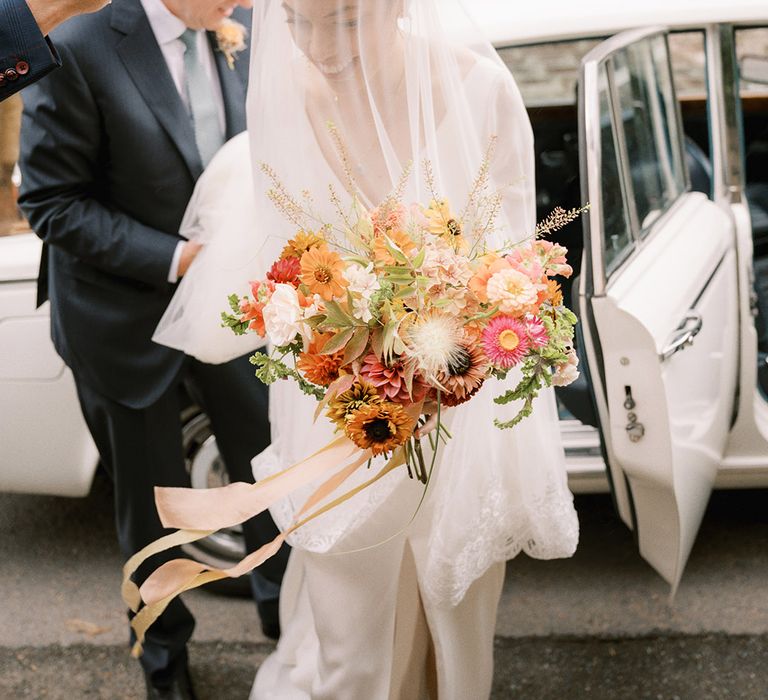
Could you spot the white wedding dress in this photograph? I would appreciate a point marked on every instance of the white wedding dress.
(375, 603)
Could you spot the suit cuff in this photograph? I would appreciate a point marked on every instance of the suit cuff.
(173, 273)
(28, 55)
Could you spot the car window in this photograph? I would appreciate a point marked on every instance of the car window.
(613, 196)
(647, 113)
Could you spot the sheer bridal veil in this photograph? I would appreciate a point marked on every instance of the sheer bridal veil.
(400, 83)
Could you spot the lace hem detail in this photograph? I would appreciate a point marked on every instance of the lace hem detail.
(547, 528)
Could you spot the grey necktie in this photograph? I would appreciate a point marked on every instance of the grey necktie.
(202, 105)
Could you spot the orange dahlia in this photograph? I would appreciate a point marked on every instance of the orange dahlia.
(553, 294)
(322, 271)
(379, 427)
(320, 369)
(400, 238)
(304, 241)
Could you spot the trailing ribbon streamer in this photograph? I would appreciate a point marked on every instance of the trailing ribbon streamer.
(226, 506)
(180, 575)
(177, 507)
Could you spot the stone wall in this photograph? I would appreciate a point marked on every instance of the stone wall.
(548, 74)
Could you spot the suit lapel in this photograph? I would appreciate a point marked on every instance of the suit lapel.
(232, 89)
(146, 65)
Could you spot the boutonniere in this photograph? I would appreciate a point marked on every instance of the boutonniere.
(231, 38)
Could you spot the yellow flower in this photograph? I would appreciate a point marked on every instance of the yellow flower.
(304, 241)
(322, 271)
(379, 427)
(441, 220)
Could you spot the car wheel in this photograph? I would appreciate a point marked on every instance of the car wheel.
(206, 470)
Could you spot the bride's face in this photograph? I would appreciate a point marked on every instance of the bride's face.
(332, 33)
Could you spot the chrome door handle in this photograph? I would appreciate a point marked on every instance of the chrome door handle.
(684, 335)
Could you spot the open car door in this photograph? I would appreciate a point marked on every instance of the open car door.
(658, 299)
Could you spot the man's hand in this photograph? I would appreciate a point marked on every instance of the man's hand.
(50, 13)
(188, 254)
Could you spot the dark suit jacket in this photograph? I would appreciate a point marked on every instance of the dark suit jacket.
(109, 162)
(25, 54)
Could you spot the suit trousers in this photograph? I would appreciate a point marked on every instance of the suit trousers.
(142, 448)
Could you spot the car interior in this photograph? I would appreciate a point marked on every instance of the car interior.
(555, 125)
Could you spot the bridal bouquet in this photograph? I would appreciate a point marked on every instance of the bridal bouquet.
(385, 316)
(397, 311)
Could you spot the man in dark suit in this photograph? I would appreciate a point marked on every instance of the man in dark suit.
(26, 55)
(111, 147)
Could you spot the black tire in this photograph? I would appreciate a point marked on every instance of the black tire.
(206, 470)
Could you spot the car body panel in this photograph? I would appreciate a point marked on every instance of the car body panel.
(507, 23)
(45, 447)
(666, 405)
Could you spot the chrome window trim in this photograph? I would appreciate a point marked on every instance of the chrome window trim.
(591, 65)
(620, 144)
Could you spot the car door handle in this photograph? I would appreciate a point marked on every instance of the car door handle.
(684, 335)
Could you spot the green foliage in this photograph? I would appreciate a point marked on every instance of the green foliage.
(233, 321)
(270, 369)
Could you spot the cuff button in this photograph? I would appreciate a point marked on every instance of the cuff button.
(22, 67)
(11, 74)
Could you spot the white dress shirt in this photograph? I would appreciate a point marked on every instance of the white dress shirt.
(167, 29)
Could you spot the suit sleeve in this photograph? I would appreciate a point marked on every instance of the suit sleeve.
(25, 54)
(63, 193)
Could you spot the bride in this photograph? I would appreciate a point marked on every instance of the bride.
(377, 603)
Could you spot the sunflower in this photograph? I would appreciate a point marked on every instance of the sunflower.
(318, 368)
(322, 271)
(359, 395)
(465, 374)
(379, 427)
(304, 241)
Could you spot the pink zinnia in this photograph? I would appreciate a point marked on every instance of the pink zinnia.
(391, 380)
(537, 333)
(285, 271)
(506, 341)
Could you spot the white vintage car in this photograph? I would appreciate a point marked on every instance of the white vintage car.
(662, 129)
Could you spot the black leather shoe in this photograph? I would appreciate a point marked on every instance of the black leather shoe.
(270, 618)
(180, 687)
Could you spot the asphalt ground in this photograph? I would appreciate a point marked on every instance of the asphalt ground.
(599, 625)
(665, 668)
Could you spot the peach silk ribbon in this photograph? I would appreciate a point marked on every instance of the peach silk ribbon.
(197, 513)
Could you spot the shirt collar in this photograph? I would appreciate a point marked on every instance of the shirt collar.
(166, 26)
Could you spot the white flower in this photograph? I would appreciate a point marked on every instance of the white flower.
(453, 300)
(512, 291)
(362, 280)
(443, 265)
(567, 373)
(361, 308)
(434, 342)
(283, 316)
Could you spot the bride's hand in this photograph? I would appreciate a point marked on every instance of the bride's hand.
(188, 254)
